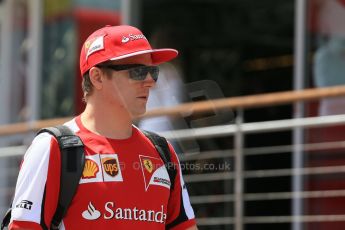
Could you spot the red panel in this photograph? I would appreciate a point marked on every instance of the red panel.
(322, 158)
(326, 226)
(326, 206)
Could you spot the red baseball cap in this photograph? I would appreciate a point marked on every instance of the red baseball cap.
(118, 42)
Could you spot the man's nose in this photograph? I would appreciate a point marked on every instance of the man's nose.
(149, 81)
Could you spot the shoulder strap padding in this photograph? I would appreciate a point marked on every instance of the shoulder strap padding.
(72, 166)
(162, 148)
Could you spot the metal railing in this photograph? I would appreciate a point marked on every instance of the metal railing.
(239, 197)
(238, 175)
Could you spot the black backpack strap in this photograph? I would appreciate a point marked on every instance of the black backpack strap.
(6, 219)
(72, 166)
(162, 148)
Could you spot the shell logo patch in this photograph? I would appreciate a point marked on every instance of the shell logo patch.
(90, 169)
(154, 172)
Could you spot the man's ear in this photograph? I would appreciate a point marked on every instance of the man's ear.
(96, 77)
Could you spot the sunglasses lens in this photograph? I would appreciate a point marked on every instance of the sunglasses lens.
(154, 71)
(140, 73)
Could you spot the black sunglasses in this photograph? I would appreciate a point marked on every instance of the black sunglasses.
(136, 72)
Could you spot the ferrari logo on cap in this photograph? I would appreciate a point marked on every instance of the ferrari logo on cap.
(87, 44)
(94, 45)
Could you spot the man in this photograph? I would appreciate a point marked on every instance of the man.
(125, 184)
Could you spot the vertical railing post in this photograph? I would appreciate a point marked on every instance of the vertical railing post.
(299, 79)
(131, 12)
(239, 159)
(34, 73)
(6, 54)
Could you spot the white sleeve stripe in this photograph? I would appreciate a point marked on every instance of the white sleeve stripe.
(185, 197)
(27, 202)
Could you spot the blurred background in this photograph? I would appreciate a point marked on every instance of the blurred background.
(277, 165)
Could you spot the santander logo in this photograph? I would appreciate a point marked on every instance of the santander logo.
(91, 213)
(112, 212)
(132, 37)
